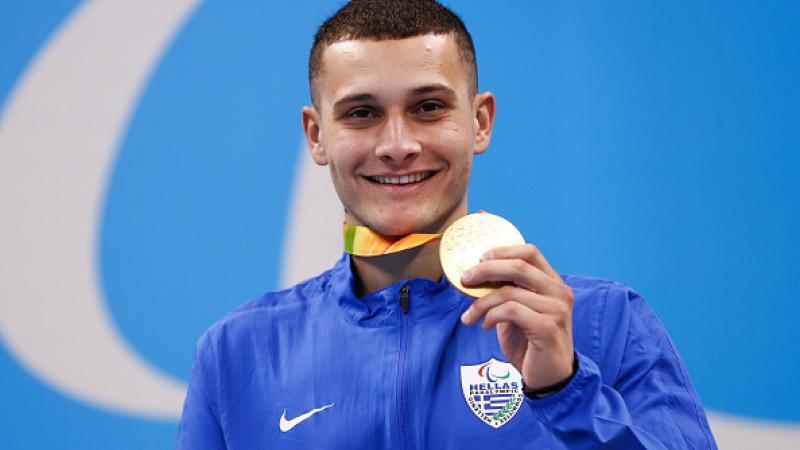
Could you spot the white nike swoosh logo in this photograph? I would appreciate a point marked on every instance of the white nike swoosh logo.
(286, 425)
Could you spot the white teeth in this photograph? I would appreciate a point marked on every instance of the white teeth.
(405, 179)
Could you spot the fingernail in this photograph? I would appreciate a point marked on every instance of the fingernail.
(466, 316)
(466, 276)
(486, 256)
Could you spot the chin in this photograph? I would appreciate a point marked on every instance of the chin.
(393, 229)
(404, 219)
(396, 224)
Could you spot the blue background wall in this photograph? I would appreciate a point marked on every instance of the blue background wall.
(655, 143)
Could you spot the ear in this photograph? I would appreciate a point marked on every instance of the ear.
(311, 128)
(484, 107)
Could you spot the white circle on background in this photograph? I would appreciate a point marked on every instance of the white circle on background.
(59, 134)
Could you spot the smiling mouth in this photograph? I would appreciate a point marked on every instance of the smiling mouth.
(402, 179)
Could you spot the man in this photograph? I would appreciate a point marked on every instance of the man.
(382, 352)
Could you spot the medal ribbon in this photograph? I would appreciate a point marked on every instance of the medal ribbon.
(361, 241)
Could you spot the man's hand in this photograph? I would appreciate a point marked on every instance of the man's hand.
(533, 315)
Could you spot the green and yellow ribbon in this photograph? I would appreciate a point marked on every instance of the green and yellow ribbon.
(361, 241)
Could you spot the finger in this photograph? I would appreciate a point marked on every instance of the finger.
(527, 252)
(517, 271)
(524, 318)
(531, 300)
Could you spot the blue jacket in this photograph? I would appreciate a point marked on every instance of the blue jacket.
(314, 366)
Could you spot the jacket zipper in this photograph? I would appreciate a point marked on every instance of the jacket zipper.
(405, 342)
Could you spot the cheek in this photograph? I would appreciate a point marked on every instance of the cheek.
(453, 135)
(456, 148)
(343, 168)
(445, 131)
(462, 175)
(343, 156)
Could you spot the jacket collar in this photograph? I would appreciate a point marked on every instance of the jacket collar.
(382, 308)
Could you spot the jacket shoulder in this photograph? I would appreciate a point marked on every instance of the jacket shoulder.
(602, 313)
(266, 308)
(590, 291)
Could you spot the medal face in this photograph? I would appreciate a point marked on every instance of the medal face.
(467, 239)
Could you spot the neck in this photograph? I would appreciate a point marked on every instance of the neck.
(375, 272)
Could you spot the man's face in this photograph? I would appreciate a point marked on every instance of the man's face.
(397, 124)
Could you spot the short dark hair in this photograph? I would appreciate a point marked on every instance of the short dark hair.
(391, 19)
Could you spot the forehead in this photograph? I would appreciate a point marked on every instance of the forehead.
(391, 66)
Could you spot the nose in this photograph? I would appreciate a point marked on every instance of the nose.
(397, 142)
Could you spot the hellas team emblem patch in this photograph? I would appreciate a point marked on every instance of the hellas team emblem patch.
(493, 391)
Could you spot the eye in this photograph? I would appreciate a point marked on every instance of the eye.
(361, 113)
(430, 106)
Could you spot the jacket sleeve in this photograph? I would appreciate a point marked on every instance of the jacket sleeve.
(200, 426)
(638, 396)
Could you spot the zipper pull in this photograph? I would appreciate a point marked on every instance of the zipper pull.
(405, 298)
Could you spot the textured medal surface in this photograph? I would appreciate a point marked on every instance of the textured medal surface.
(467, 239)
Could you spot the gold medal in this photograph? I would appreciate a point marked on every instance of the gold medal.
(469, 237)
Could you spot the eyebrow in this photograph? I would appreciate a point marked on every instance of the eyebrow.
(427, 89)
(366, 97)
(352, 98)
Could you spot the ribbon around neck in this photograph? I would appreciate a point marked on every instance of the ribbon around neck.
(361, 241)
